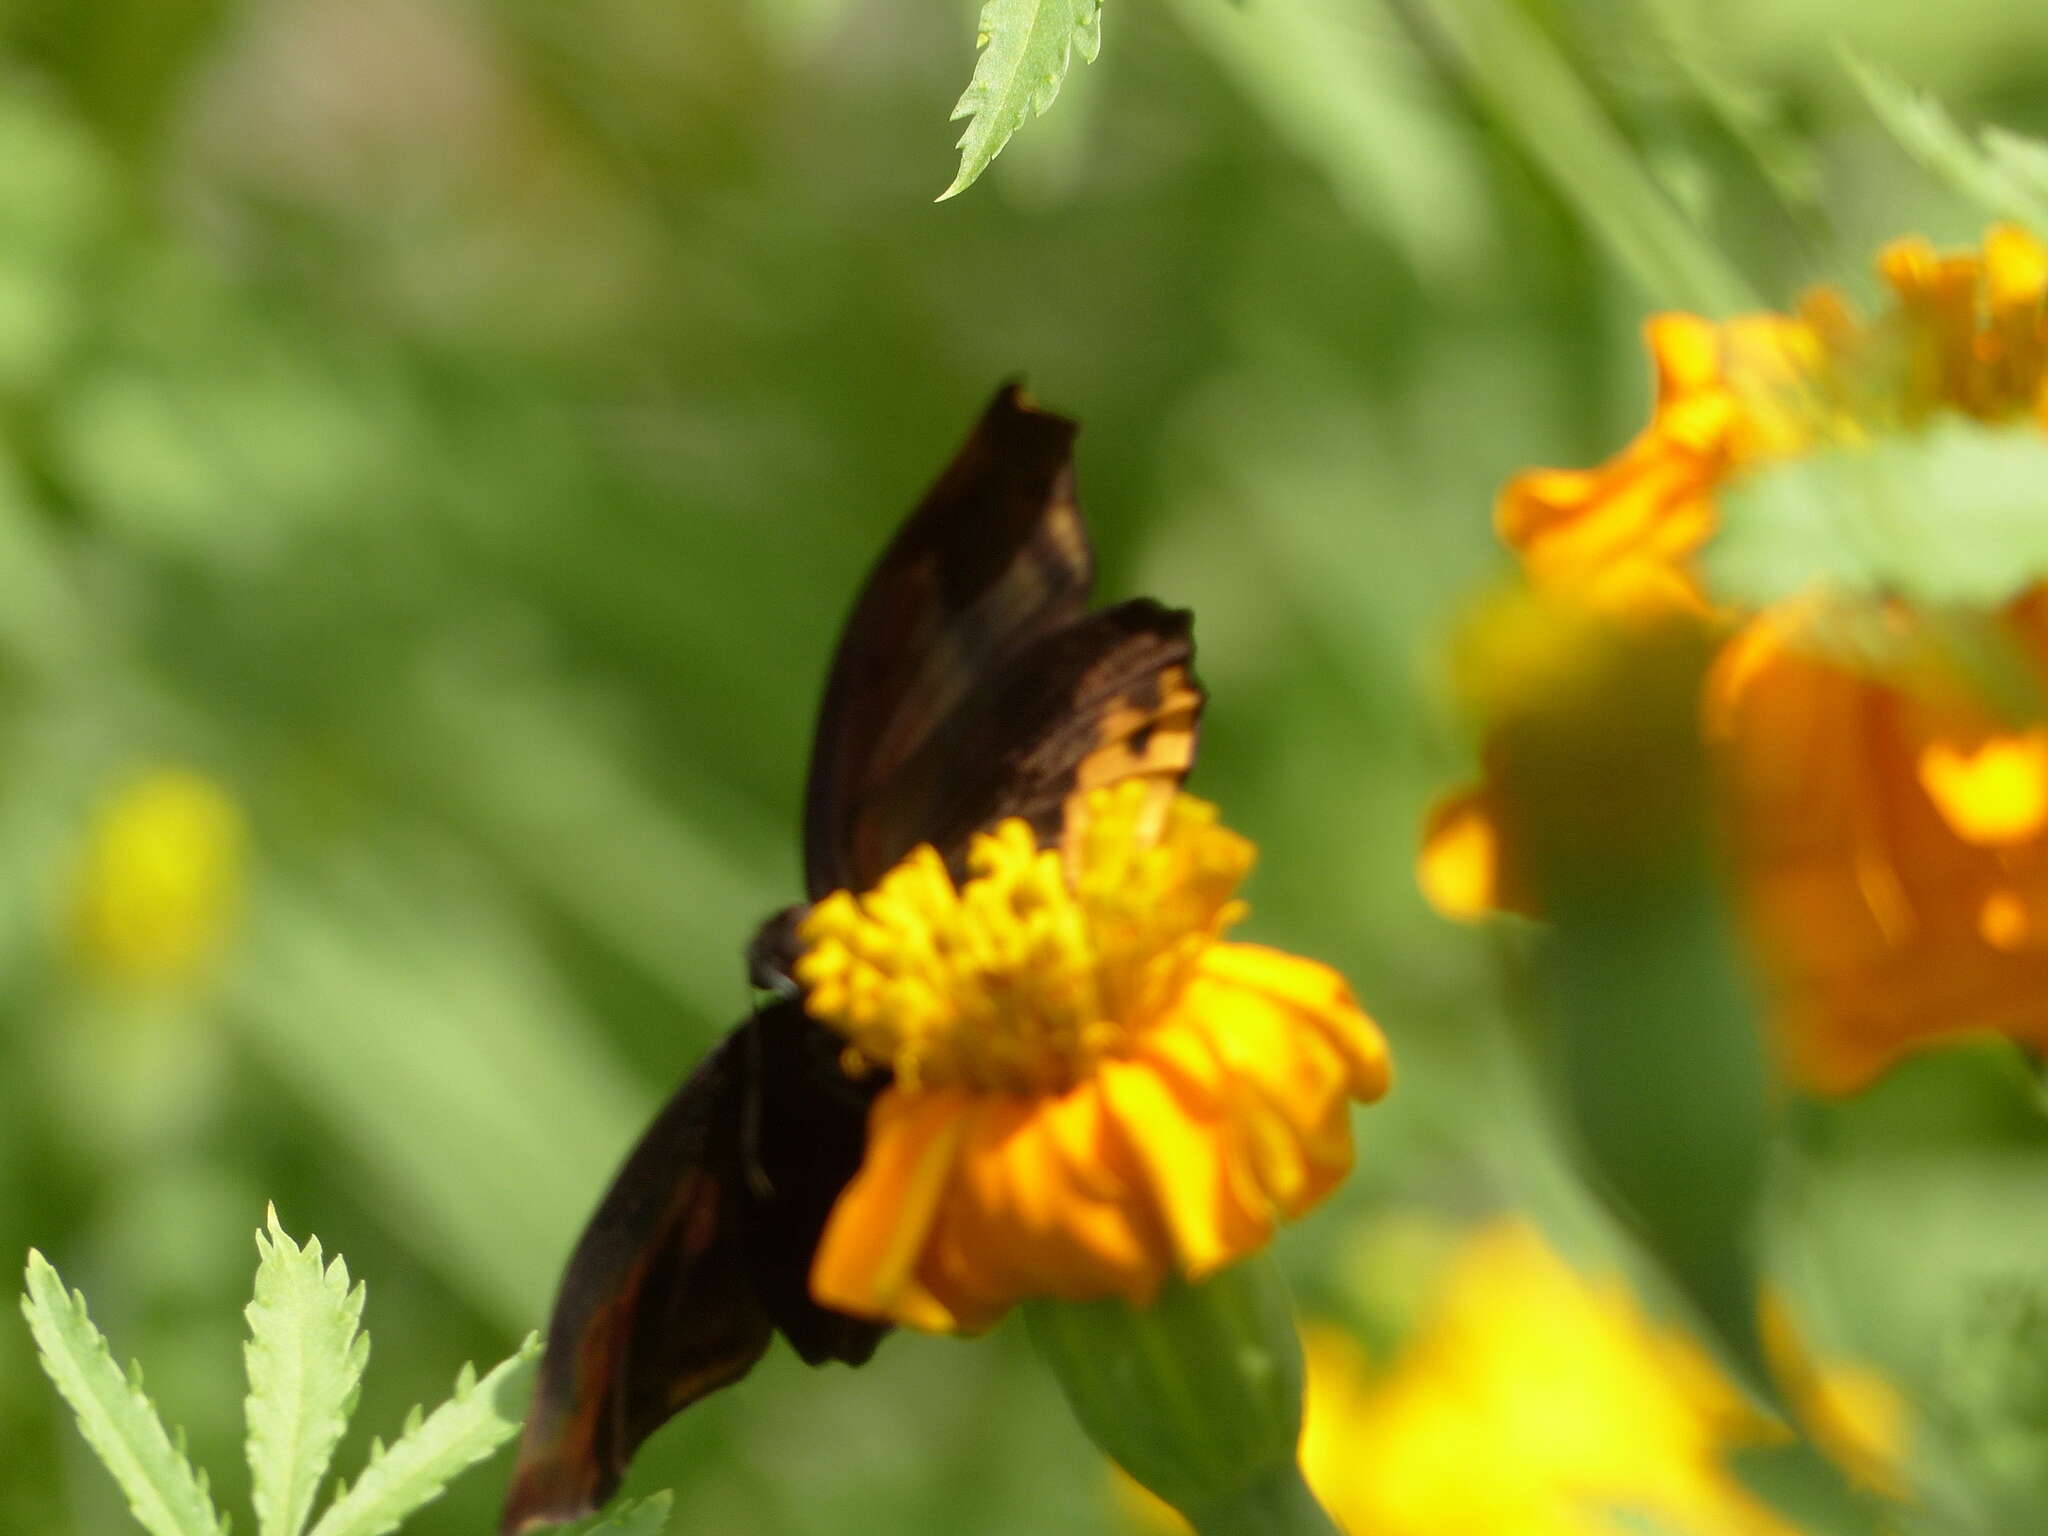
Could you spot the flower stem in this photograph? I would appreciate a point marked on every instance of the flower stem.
(1278, 1505)
(1197, 1396)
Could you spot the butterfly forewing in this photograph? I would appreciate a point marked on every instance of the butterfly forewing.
(994, 559)
(1107, 698)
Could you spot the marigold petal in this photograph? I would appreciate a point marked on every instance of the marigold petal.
(1685, 350)
(1188, 1059)
(1290, 1085)
(1184, 1155)
(1459, 866)
(1117, 1225)
(2015, 268)
(2004, 921)
(1017, 1223)
(868, 1255)
(1320, 998)
(1995, 792)
(971, 1276)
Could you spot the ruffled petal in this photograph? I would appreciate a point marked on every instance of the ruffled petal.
(1291, 1087)
(1017, 1222)
(1992, 791)
(1319, 998)
(1179, 1139)
(868, 1256)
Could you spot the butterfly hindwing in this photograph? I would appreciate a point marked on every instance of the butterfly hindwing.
(804, 1129)
(657, 1307)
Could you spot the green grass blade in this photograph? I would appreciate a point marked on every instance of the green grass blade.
(117, 1420)
(1336, 81)
(1999, 176)
(1026, 46)
(2024, 162)
(1514, 67)
(475, 1421)
(305, 1358)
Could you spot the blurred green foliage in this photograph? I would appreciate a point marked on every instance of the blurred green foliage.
(458, 429)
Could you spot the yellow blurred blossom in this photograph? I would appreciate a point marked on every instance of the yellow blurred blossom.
(1091, 1088)
(1534, 1400)
(1890, 825)
(159, 885)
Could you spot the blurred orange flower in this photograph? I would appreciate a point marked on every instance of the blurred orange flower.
(1532, 1399)
(1889, 823)
(1091, 1089)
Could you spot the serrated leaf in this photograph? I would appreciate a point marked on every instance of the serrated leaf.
(635, 1517)
(475, 1421)
(2002, 174)
(1026, 46)
(305, 1359)
(167, 1496)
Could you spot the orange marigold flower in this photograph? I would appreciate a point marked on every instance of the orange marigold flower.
(1966, 333)
(1892, 832)
(1890, 827)
(1091, 1088)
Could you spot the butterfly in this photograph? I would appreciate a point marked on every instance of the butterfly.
(972, 682)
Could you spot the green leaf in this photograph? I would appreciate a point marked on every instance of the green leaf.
(1957, 513)
(305, 1359)
(635, 1517)
(1025, 48)
(475, 1421)
(1645, 1014)
(117, 1420)
(2002, 173)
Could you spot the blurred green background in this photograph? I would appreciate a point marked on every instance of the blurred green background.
(456, 431)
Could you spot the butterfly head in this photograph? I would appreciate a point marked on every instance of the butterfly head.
(772, 951)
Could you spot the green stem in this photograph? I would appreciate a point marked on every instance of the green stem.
(1197, 1396)
(1278, 1505)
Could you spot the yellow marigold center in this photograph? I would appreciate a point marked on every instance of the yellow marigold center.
(1043, 963)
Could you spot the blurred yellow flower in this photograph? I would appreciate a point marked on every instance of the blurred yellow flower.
(159, 885)
(1091, 1090)
(1890, 827)
(1536, 1401)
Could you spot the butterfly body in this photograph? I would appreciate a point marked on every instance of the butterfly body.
(972, 683)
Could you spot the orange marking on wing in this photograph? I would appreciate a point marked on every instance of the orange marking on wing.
(1164, 733)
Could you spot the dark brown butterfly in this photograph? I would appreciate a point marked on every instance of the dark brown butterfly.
(971, 683)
